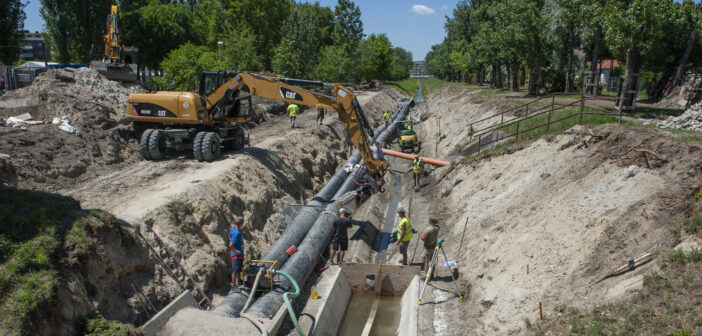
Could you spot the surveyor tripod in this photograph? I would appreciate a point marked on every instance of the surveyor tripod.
(432, 264)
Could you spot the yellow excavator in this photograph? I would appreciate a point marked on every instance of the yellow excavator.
(118, 62)
(208, 120)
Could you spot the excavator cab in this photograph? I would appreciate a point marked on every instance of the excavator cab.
(238, 105)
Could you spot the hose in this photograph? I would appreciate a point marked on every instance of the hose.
(253, 290)
(287, 296)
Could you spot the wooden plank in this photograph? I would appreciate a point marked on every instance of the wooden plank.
(371, 317)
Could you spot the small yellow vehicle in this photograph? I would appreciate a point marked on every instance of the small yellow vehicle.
(407, 137)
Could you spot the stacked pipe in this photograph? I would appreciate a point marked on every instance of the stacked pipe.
(297, 230)
(301, 263)
(293, 235)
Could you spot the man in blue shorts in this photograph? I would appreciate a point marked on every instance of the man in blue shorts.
(237, 251)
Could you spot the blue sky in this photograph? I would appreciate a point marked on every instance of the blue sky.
(414, 26)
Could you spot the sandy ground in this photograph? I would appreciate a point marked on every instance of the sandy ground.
(189, 204)
(570, 212)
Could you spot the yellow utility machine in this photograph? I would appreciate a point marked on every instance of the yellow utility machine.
(118, 63)
(207, 120)
(407, 138)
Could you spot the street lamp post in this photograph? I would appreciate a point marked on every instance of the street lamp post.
(219, 50)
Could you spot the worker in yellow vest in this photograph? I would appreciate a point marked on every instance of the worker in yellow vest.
(417, 169)
(387, 119)
(404, 235)
(292, 111)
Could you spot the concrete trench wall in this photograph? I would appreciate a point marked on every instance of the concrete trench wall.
(336, 286)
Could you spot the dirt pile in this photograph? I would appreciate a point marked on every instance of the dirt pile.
(690, 120)
(677, 99)
(48, 158)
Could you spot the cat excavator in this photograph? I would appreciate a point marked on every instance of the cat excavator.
(118, 62)
(207, 121)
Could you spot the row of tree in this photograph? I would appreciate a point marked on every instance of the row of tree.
(177, 36)
(656, 39)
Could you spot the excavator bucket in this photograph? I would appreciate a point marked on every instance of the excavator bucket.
(119, 72)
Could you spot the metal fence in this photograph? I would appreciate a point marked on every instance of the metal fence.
(518, 115)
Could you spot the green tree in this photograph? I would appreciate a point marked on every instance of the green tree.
(239, 52)
(262, 19)
(74, 27)
(335, 65)
(401, 64)
(305, 31)
(348, 27)
(182, 67)
(633, 30)
(157, 28)
(377, 57)
(11, 25)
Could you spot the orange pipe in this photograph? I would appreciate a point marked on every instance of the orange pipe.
(435, 162)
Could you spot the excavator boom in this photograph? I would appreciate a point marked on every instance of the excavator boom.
(342, 100)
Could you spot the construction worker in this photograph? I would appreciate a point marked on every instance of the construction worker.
(429, 236)
(404, 235)
(292, 111)
(417, 169)
(320, 115)
(340, 240)
(237, 251)
(387, 119)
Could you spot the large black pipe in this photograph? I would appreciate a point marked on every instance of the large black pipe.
(293, 235)
(300, 226)
(301, 263)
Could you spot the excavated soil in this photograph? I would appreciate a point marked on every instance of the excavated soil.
(571, 211)
(189, 204)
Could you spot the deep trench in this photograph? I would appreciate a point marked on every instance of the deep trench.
(309, 231)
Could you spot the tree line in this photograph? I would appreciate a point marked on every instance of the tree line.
(510, 40)
(184, 37)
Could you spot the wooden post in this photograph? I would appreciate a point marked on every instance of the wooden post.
(541, 313)
(582, 108)
(516, 137)
(548, 123)
(438, 136)
(527, 110)
(553, 101)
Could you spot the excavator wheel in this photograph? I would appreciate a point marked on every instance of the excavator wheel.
(197, 146)
(144, 144)
(157, 145)
(211, 146)
(239, 140)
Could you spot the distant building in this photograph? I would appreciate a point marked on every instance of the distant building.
(606, 68)
(34, 48)
(419, 69)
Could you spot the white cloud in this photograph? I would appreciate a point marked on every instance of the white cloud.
(421, 9)
(444, 7)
